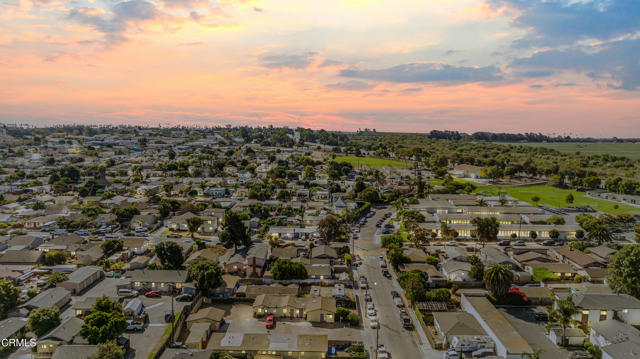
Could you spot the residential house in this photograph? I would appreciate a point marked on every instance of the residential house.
(12, 328)
(75, 351)
(143, 221)
(573, 336)
(461, 331)
(25, 241)
(288, 252)
(135, 245)
(211, 315)
(89, 256)
(457, 271)
(289, 346)
(161, 280)
(281, 306)
(602, 252)
(615, 339)
(56, 296)
(320, 309)
(575, 257)
(509, 343)
(21, 257)
(67, 332)
(324, 252)
(563, 271)
(82, 278)
(598, 307)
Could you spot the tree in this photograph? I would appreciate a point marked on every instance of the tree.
(533, 235)
(170, 255)
(554, 234)
(420, 237)
(125, 214)
(42, 320)
(579, 234)
(354, 319)
(600, 233)
(624, 271)
(569, 198)
(535, 355)
(220, 355)
(396, 257)
(535, 199)
(234, 233)
(432, 260)
(104, 304)
(477, 267)
(486, 228)
(109, 350)
(111, 246)
(55, 257)
(415, 289)
(8, 297)
(369, 195)
(498, 279)
(342, 313)
(193, 224)
(563, 313)
(206, 273)
(56, 277)
(105, 323)
(330, 228)
(285, 269)
(399, 204)
(309, 172)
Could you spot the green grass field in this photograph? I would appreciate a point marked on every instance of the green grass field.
(631, 150)
(555, 197)
(370, 161)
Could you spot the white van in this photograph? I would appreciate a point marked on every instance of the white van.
(125, 292)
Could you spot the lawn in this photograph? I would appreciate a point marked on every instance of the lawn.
(555, 197)
(370, 161)
(631, 150)
(543, 274)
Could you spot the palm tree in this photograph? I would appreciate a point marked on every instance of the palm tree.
(399, 204)
(563, 314)
(498, 279)
(534, 355)
(600, 233)
(482, 203)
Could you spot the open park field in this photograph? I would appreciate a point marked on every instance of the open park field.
(631, 150)
(370, 161)
(555, 197)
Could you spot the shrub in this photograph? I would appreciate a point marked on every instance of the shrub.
(354, 319)
(438, 295)
(432, 260)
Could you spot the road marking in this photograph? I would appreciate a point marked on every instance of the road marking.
(157, 325)
(155, 305)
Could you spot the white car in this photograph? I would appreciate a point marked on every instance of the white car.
(452, 243)
(371, 306)
(371, 313)
(373, 324)
(383, 353)
(450, 354)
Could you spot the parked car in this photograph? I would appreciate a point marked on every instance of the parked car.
(541, 316)
(373, 324)
(406, 323)
(450, 354)
(398, 302)
(506, 242)
(395, 294)
(271, 322)
(82, 232)
(452, 243)
(124, 292)
(168, 316)
(382, 353)
(481, 353)
(519, 243)
(173, 235)
(367, 297)
(386, 274)
(363, 284)
(371, 312)
(386, 231)
(134, 326)
(153, 294)
(549, 242)
(185, 297)
(370, 305)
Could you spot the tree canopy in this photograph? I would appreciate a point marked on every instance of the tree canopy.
(41, 320)
(170, 255)
(624, 271)
(285, 269)
(105, 323)
(498, 279)
(234, 232)
(206, 273)
(8, 297)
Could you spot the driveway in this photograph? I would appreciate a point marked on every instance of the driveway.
(240, 320)
(533, 332)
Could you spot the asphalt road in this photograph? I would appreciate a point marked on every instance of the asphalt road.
(401, 343)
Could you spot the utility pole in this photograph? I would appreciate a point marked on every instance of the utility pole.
(376, 348)
(171, 287)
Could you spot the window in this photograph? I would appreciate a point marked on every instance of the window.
(603, 315)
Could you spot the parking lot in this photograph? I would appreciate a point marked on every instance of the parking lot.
(523, 321)
(240, 319)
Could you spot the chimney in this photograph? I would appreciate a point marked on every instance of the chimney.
(254, 274)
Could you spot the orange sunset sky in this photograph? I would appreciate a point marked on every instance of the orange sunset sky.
(566, 67)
